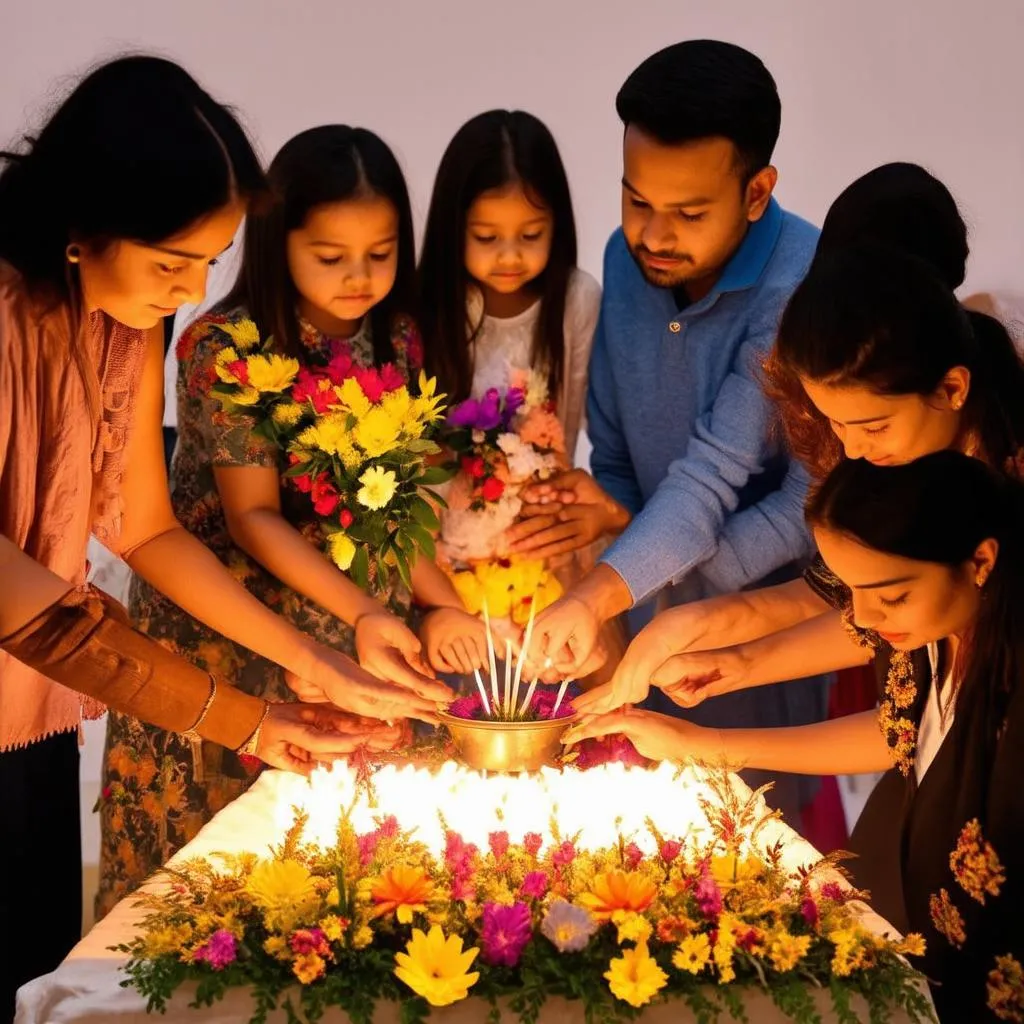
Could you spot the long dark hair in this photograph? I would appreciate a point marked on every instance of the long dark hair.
(329, 164)
(489, 152)
(874, 316)
(138, 151)
(938, 509)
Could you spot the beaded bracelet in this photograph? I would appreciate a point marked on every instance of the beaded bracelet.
(251, 745)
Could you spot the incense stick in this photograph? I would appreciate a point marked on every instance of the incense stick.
(532, 687)
(527, 636)
(508, 678)
(561, 694)
(483, 692)
(490, 655)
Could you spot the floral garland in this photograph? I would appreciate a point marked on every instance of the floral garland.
(900, 693)
(378, 916)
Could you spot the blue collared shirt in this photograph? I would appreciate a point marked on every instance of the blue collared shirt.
(680, 425)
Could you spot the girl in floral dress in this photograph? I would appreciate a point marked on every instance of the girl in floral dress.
(502, 299)
(327, 273)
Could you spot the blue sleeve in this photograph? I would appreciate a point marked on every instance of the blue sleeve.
(610, 460)
(682, 523)
(763, 537)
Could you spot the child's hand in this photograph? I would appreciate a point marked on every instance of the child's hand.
(455, 641)
(568, 512)
(657, 737)
(388, 649)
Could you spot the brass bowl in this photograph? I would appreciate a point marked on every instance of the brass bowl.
(507, 746)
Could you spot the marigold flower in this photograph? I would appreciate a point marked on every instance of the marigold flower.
(402, 890)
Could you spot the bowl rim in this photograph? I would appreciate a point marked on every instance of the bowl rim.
(483, 725)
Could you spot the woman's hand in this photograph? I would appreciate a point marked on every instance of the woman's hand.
(456, 641)
(391, 651)
(297, 737)
(657, 737)
(688, 679)
(351, 688)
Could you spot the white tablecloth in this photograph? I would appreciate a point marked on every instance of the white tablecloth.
(86, 987)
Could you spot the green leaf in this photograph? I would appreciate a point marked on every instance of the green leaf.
(423, 513)
(403, 566)
(359, 571)
(435, 475)
(422, 539)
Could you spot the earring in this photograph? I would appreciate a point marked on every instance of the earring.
(73, 253)
(957, 404)
(980, 580)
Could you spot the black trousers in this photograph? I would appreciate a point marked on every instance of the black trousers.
(40, 862)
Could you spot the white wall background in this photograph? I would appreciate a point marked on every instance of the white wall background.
(863, 82)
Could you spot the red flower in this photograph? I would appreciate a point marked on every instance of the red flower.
(346, 518)
(240, 369)
(632, 855)
(339, 369)
(532, 843)
(498, 841)
(325, 496)
(304, 483)
(390, 377)
(370, 381)
(670, 849)
(493, 489)
(474, 467)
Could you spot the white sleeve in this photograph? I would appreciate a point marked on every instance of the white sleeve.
(582, 307)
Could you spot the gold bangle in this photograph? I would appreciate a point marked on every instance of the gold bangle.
(193, 732)
(251, 745)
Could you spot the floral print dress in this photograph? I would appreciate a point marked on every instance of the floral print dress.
(157, 791)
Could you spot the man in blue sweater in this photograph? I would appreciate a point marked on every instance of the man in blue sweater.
(694, 285)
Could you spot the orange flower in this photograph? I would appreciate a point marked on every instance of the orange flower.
(616, 891)
(173, 796)
(146, 771)
(151, 806)
(121, 762)
(403, 890)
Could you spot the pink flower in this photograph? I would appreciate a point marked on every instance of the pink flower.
(809, 909)
(535, 885)
(709, 897)
(370, 381)
(309, 940)
(532, 842)
(218, 951)
(367, 844)
(339, 369)
(466, 707)
(565, 854)
(670, 849)
(390, 377)
(498, 842)
(463, 889)
(834, 891)
(505, 933)
(387, 827)
(632, 855)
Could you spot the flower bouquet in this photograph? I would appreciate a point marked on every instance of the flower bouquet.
(358, 440)
(390, 915)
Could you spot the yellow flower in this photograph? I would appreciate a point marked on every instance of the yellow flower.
(171, 938)
(618, 890)
(342, 550)
(243, 334)
(912, 945)
(277, 946)
(308, 967)
(363, 937)
(287, 414)
(436, 968)
(247, 396)
(427, 407)
(849, 954)
(376, 433)
(724, 947)
(225, 356)
(470, 592)
(632, 927)
(378, 488)
(635, 977)
(401, 889)
(327, 433)
(730, 870)
(1005, 989)
(352, 395)
(786, 950)
(271, 373)
(333, 927)
(284, 889)
(693, 953)
(398, 406)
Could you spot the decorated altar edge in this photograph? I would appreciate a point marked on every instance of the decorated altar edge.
(429, 886)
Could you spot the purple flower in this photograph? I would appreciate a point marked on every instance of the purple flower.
(489, 414)
(567, 927)
(505, 933)
(709, 897)
(514, 399)
(834, 891)
(464, 414)
(466, 707)
(809, 909)
(535, 885)
(218, 951)
(543, 704)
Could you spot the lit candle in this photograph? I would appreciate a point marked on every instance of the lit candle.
(483, 692)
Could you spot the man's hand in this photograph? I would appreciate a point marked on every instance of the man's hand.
(566, 513)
